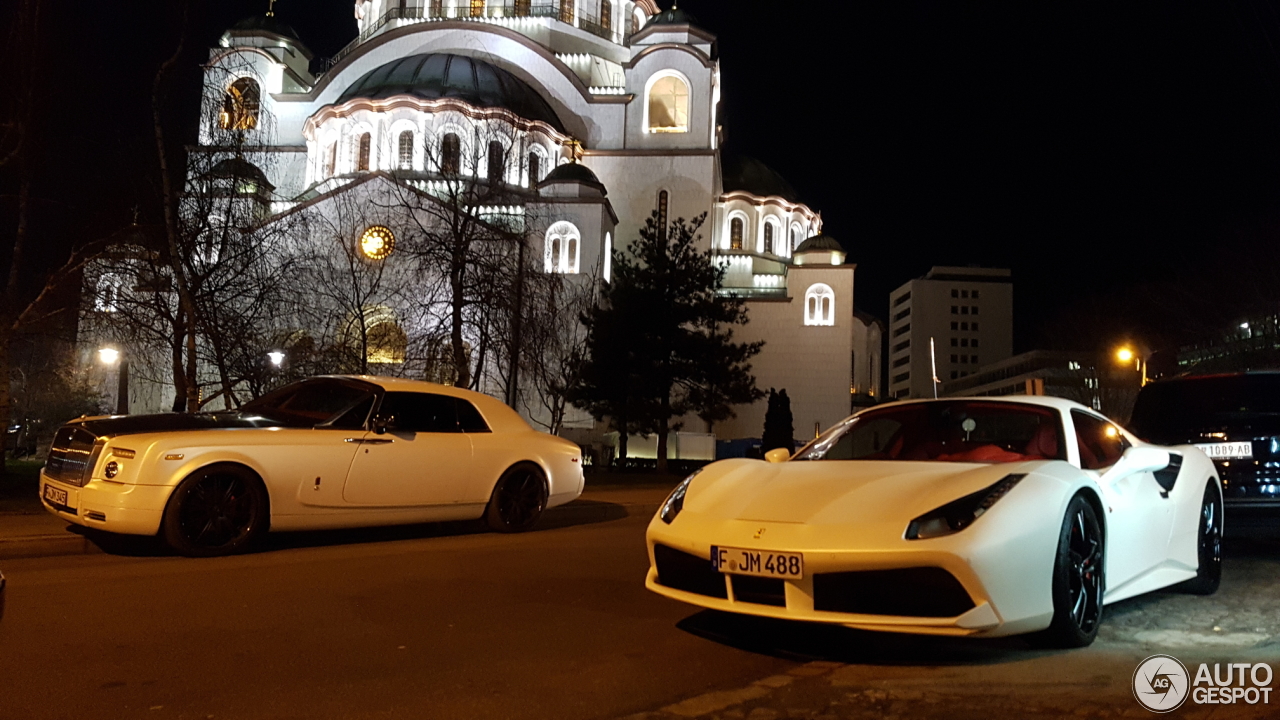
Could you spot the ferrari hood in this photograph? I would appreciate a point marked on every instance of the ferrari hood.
(821, 492)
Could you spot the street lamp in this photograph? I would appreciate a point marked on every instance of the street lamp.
(110, 356)
(1126, 355)
(276, 357)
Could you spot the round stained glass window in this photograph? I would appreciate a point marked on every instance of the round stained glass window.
(377, 242)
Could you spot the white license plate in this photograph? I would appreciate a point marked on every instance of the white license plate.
(56, 497)
(1227, 450)
(761, 563)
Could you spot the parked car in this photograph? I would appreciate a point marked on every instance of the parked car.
(328, 452)
(978, 516)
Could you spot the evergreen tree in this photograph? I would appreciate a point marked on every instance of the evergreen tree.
(660, 343)
(778, 424)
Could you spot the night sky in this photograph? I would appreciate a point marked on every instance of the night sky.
(1121, 158)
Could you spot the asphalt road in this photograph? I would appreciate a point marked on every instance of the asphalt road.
(451, 622)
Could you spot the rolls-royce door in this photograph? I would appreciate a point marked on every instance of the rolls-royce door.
(416, 454)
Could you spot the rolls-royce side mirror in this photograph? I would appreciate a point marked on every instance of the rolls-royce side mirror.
(383, 425)
(777, 455)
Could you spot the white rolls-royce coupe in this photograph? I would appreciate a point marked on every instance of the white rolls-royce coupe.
(979, 516)
(327, 452)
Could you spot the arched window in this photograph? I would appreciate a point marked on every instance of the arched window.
(108, 295)
(406, 150)
(819, 305)
(566, 10)
(606, 15)
(496, 163)
(768, 237)
(477, 8)
(793, 238)
(385, 342)
(668, 105)
(735, 234)
(240, 105)
(562, 246)
(450, 154)
(535, 169)
(331, 160)
(363, 147)
(608, 257)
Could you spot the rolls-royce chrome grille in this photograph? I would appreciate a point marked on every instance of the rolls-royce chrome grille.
(71, 456)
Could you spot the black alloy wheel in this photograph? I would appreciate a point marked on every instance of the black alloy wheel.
(1079, 578)
(217, 510)
(1209, 545)
(518, 499)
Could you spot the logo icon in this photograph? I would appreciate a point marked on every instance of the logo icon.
(1160, 683)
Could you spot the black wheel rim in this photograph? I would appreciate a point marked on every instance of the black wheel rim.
(217, 511)
(520, 501)
(1210, 535)
(1085, 572)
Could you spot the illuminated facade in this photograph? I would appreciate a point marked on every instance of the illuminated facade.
(601, 111)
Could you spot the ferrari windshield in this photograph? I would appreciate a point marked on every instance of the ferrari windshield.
(313, 402)
(970, 431)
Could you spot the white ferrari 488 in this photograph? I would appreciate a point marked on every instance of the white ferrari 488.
(978, 516)
(328, 452)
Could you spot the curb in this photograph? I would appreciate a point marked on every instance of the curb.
(71, 543)
(37, 546)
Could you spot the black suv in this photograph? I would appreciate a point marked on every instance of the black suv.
(1235, 419)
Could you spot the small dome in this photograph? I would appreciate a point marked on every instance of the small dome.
(267, 24)
(674, 16)
(819, 243)
(237, 168)
(747, 174)
(441, 75)
(574, 172)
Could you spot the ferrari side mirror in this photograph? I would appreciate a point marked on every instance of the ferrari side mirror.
(1137, 460)
(777, 455)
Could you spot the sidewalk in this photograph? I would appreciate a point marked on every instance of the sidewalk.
(35, 532)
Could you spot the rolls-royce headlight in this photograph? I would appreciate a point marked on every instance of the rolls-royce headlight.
(960, 514)
(675, 501)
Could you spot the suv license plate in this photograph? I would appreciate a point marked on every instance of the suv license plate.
(760, 563)
(1228, 450)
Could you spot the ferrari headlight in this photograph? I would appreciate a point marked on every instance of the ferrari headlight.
(675, 501)
(960, 514)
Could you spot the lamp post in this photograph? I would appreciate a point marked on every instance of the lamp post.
(110, 356)
(1125, 354)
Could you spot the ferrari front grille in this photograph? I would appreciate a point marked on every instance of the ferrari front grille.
(758, 590)
(682, 571)
(71, 456)
(910, 592)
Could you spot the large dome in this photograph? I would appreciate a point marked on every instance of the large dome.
(750, 175)
(435, 76)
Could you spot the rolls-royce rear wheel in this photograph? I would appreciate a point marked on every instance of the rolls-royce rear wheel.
(1079, 579)
(1209, 571)
(518, 499)
(217, 510)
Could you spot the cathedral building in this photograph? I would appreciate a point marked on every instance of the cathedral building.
(592, 114)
